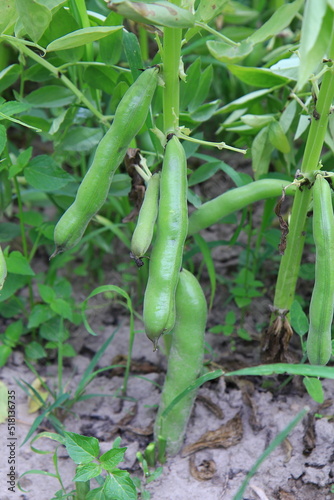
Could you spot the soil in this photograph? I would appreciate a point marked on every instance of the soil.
(247, 413)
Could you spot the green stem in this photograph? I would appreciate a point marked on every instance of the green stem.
(23, 235)
(208, 28)
(17, 43)
(171, 92)
(290, 263)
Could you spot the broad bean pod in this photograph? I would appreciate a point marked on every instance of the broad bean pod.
(166, 256)
(185, 361)
(129, 118)
(319, 347)
(212, 211)
(143, 233)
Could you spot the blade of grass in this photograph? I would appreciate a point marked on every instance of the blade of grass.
(276, 442)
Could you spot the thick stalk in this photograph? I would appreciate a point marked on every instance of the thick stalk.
(171, 64)
(290, 263)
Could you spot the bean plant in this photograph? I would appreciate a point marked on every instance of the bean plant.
(126, 98)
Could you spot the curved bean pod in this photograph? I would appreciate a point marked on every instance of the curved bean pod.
(166, 257)
(212, 211)
(319, 347)
(129, 118)
(142, 235)
(185, 361)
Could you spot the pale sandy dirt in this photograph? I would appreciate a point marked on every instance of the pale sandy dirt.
(286, 470)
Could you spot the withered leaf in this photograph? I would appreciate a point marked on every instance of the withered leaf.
(288, 449)
(309, 437)
(205, 471)
(226, 435)
(210, 405)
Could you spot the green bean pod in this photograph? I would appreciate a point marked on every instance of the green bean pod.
(319, 346)
(142, 235)
(129, 118)
(235, 199)
(166, 257)
(3, 269)
(185, 362)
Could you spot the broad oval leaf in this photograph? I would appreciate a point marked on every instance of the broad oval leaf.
(229, 54)
(82, 37)
(257, 77)
(160, 13)
(278, 138)
(51, 96)
(44, 174)
(9, 75)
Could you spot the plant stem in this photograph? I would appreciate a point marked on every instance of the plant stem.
(290, 263)
(171, 63)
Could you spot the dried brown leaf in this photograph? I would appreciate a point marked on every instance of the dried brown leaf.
(211, 406)
(226, 435)
(205, 471)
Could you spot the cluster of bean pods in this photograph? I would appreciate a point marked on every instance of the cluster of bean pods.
(129, 118)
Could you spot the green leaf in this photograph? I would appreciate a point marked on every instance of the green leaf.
(119, 485)
(207, 257)
(68, 351)
(205, 111)
(8, 14)
(53, 330)
(13, 283)
(226, 53)
(161, 13)
(256, 121)
(241, 101)
(34, 17)
(203, 173)
(112, 458)
(34, 350)
(230, 318)
(39, 315)
(280, 19)
(3, 142)
(18, 264)
(44, 174)
(63, 308)
(280, 368)
(111, 46)
(238, 13)
(261, 153)
(46, 292)
(203, 88)
(278, 138)
(9, 75)
(314, 389)
(99, 77)
(82, 139)
(14, 331)
(299, 321)
(81, 37)
(208, 9)
(50, 96)
(5, 352)
(96, 494)
(315, 36)
(62, 23)
(257, 77)
(85, 472)
(10, 108)
(31, 218)
(81, 449)
(289, 68)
